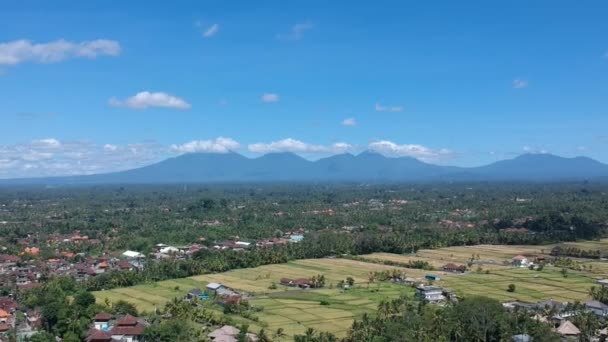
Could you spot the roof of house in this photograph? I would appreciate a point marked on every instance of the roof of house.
(4, 327)
(550, 303)
(128, 325)
(195, 292)
(99, 336)
(540, 318)
(226, 330)
(103, 316)
(169, 249)
(519, 257)
(124, 264)
(453, 266)
(9, 258)
(7, 303)
(32, 250)
(214, 286)
(596, 304)
(568, 328)
(225, 338)
(132, 254)
(127, 320)
(4, 314)
(133, 330)
(429, 288)
(521, 338)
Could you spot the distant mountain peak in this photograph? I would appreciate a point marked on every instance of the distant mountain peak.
(366, 166)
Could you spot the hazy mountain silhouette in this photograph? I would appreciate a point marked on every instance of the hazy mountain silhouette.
(367, 166)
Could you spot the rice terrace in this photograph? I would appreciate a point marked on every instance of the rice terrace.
(490, 272)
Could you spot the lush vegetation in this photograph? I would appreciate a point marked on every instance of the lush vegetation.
(340, 220)
(474, 319)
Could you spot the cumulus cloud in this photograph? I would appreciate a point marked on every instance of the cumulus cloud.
(296, 32)
(534, 150)
(52, 157)
(381, 108)
(519, 83)
(218, 145)
(47, 143)
(297, 146)
(421, 152)
(110, 148)
(270, 97)
(349, 122)
(211, 31)
(146, 99)
(20, 51)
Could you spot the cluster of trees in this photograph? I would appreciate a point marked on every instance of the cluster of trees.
(387, 275)
(67, 310)
(317, 281)
(318, 244)
(417, 264)
(568, 251)
(473, 319)
(138, 217)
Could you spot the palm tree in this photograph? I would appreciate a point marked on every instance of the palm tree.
(280, 333)
(262, 337)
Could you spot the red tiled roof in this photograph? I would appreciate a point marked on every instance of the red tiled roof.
(4, 328)
(100, 336)
(9, 258)
(29, 286)
(134, 330)
(451, 266)
(124, 264)
(4, 314)
(8, 304)
(103, 316)
(127, 321)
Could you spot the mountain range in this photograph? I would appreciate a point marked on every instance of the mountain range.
(364, 167)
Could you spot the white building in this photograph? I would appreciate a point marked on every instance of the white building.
(430, 293)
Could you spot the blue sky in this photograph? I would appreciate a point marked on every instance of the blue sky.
(462, 83)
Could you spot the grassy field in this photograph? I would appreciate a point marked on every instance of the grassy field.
(295, 310)
(288, 308)
(531, 286)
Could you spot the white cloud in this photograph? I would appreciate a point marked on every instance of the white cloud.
(211, 31)
(20, 51)
(47, 143)
(297, 146)
(534, 150)
(421, 152)
(218, 145)
(297, 31)
(110, 148)
(519, 83)
(349, 122)
(51, 157)
(270, 97)
(146, 99)
(381, 108)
